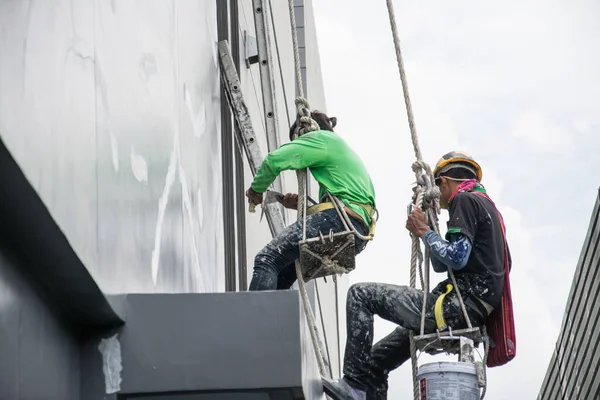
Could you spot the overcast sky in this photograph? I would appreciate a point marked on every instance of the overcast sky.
(513, 83)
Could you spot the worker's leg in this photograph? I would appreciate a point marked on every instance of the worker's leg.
(287, 277)
(278, 257)
(398, 304)
(393, 350)
(387, 355)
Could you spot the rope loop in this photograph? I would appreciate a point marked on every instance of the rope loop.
(305, 122)
(426, 184)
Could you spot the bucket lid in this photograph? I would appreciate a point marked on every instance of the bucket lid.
(447, 366)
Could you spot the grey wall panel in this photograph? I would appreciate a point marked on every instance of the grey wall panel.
(213, 341)
(140, 223)
(200, 173)
(573, 369)
(112, 111)
(47, 117)
(39, 358)
(192, 343)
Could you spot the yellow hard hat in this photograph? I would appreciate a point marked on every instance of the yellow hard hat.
(456, 157)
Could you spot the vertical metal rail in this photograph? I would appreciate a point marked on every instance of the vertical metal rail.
(229, 236)
(240, 199)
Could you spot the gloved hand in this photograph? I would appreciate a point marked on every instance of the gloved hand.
(290, 200)
(254, 198)
(416, 223)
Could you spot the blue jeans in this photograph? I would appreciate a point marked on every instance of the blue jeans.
(274, 264)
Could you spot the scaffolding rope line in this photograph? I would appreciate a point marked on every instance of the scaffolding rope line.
(425, 190)
(301, 175)
(323, 327)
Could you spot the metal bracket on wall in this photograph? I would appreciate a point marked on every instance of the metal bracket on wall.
(250, 49)
(245, 132)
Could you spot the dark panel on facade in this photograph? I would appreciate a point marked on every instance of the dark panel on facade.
(211, 341)
(39, 356)
(208, 344)
(573, 369)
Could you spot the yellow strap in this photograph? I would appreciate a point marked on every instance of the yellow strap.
(439, 309)
(317, 208)
(326, 205)
(369, 209)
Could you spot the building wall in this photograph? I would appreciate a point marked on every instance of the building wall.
(112, 109)
(573, 369)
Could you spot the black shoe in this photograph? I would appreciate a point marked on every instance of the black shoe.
(341, 390)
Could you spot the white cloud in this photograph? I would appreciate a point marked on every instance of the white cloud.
(541, 133)
(515, 85)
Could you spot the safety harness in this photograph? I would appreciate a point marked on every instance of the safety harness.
(481, 307)
(327, 204)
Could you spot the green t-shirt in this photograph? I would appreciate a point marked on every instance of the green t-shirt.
(332, 163)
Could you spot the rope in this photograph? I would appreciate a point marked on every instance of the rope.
(486, 346)
(304, 113)
(323, 327)
(411, 120)
(415, 366)
(427, 192)
(417, 167)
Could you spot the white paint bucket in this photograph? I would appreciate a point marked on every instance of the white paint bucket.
(447, 380)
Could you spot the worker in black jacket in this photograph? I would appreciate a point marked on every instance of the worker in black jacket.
(473, 249)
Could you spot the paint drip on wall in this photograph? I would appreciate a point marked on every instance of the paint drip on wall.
(111, 363)
(139, 166)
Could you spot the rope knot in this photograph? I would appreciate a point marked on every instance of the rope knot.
(305, 122)
(426, 184)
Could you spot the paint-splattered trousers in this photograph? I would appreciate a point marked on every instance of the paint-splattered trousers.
(366, 366)
(274, 264)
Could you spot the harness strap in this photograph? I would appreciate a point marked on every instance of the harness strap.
(326, 204)
(481, 307)
(439, 308)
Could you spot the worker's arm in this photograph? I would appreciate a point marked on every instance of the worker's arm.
(438, 266)
(444, 254)
(307, 151)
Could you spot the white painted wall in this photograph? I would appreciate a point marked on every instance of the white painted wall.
(112, 110)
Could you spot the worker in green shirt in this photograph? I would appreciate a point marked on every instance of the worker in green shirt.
(339, 171)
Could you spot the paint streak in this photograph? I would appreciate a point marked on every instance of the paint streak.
(114, 148)
(176, 168)
(162, 207)
(139, 167)
(200, 209)
(111, 363)
(198, 120)
(187, 207)
(148, 67)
